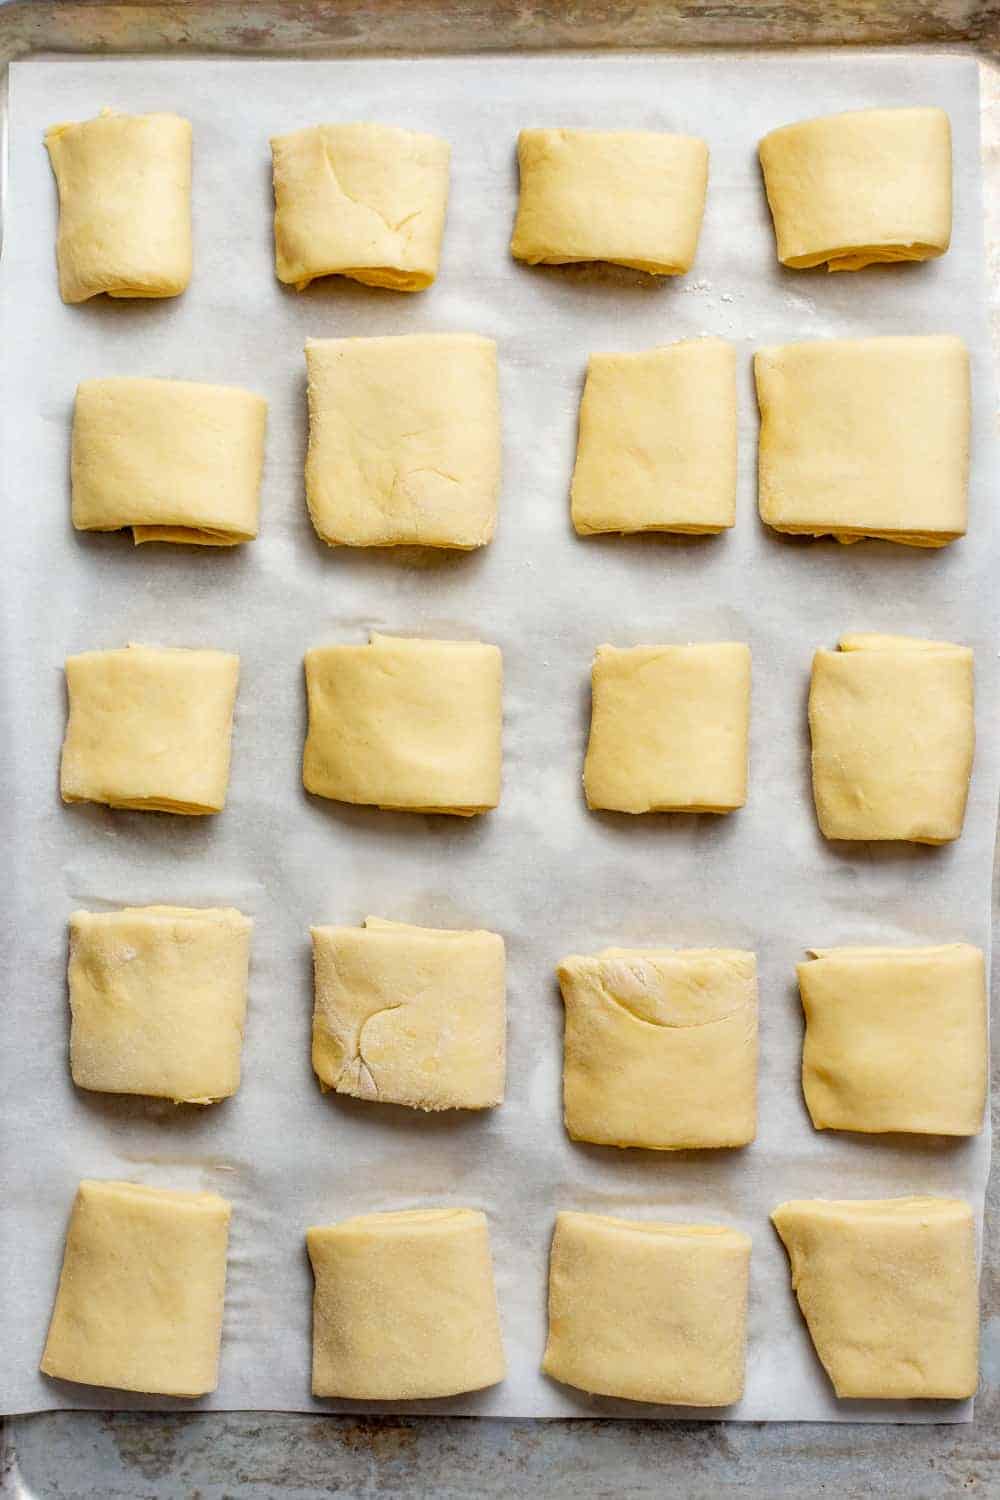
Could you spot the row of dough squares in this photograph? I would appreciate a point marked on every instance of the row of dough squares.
(858, 438)
(660, 1047)
(368, 201)
(416, 725)
(404, 1304)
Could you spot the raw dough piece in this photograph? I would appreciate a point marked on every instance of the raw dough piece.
(859, 188)
(661, 1047)
(410, 1015)
(176, 460)
(657, 447)
(893, 734)
(404, 440)
(158, 996)
(408, 724)
(888, 1290)
(149, 727)
(895, 1039)
(648, 1311)
(364, 201)
(404, 1306)
(139, 1306)
(124, 205)
(668, 729)
(631, 197)
(865, 438)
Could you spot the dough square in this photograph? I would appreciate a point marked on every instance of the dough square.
(893, 734)
(404, 440)
(895, 1039)
(865, 438)
(124, 205)
(363, 201)
(139, 1305)
(661, 1048)
(411, 725)
(410, 1015)
(404, 1306)
(857, 189)
(175, 460)
(631, 197)
(158, 997)
(888, 1291)
(149, 727)
(648, 1311)
(669, 728)
(657, 445)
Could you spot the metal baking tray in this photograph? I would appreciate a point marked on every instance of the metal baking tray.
(215, 1456)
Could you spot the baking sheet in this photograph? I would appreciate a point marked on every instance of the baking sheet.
(550, 876)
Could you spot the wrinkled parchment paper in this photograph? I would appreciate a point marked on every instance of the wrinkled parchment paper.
(551, 877)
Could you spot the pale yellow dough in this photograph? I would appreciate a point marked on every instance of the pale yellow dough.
(648, 1311)
(413, 725)
(410, 1015)
(404, 1306)
(895, 1039)
(404, 440)
(888, 1290)
(856, 189)
(657, 445)
(175, 460)
(893, 734)
(363, 201)
(139, 1305)
(158, 997)
(124, 205)
(631, 197)
(669, 728)
(661, 1047)
(149, 727)
(865, 438)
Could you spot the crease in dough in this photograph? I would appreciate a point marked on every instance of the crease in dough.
(124, 205)
(660, 1048)
(410, 1015)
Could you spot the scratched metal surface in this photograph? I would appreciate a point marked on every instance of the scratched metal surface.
(247, 1456)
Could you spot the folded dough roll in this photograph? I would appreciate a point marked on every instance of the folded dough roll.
(631, 197)
(858, 189)
(363, 201)
(139, 1305)
(887, 1287)
(124, 205)
(175, 460)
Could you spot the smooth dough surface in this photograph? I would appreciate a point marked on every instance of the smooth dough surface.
(661, 1047)
(648, 1311)
(631, 197)
(895, 1039)
(865, 438)
(408, 724)
(657, 444)
(124, 205)
(139, 1305)
(893, 734)
(410, 1015)
(404, 440)
(158, 998)
(888, 1290)
(149, 727)
(856, 189)
(669, 728)
(364, 201)
(404, 1306)
(176, 460)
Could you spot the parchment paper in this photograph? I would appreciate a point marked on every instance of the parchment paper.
(541, 870)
